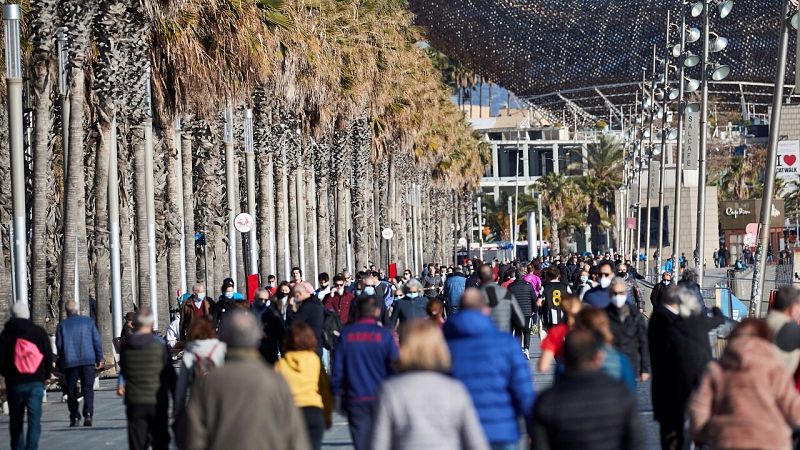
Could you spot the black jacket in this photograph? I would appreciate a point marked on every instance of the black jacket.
(562, 420)
(523, 292)
(473, 280)
(630, 337)
(24, 329)
(274, 332)
(679, 351)
(311, 312)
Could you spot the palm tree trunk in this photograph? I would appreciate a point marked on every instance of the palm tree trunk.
(340, 171)
(188, 210)
(291, 196)
(325, 258)
(266, 226)
(102, 261)
(282, 221)
(173, 230)
(312, 258)
(142, 251)
(5, 215)
(74, 254)
(358, 191)
(42, 176)
(125, 230)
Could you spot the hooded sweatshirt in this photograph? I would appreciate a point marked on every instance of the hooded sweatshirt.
(307, 381)
(194, 351)
(746, 400)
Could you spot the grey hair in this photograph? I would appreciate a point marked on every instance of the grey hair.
(144, 317)
(241, 330)
(689, 275)
(689, 306)
(618, 281)
(197, 286)
(71, 307)
(412, 283)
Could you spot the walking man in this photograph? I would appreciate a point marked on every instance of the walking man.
(145, 380)
(195, 306)
(364, 358)
(25, 361)
(80, 354)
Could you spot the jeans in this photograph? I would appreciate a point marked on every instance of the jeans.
(21, 397)
(360, 417)
(147, 424)
(315, 424)
(86, 375)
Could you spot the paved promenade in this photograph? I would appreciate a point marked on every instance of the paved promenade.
(109, 430)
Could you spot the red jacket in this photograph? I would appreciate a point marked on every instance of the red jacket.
(339, 304)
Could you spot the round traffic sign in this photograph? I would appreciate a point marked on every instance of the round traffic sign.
(387, 233)
(244, 222)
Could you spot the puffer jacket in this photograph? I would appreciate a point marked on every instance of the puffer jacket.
(496, 374)
(747, 399)
(78, 342)
(525, 295)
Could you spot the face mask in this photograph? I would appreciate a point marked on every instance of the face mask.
(665, 282)
(358, 292)
(413, 294)
(281, 294)
(584, 278)
(605, 282)
(369, 290)
(268, 285)
(399, 296)
(340, 290)
(622, 274)
(229, 295)
(619, 300)
(201, 296)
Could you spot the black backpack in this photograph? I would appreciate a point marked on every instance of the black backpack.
(331, 329)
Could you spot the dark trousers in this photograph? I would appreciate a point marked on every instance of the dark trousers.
(86, 375)
(526, 332)
(671, 436)
(359, 415)
(147, 424)
(22, 397)
(315, 424)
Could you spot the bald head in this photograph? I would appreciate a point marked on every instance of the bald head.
(241, 330)
(472, 300)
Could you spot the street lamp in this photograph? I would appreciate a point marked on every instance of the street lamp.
(11, 17)
(718, 72)
(230, 188)
(769, 183)
(250, 167)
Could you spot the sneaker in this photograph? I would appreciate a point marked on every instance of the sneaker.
(74, 422)
(526, 353)
(87, 421)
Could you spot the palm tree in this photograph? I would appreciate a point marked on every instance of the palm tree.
(43, 18)
(565, 204)
(736, 182)
(78, 17)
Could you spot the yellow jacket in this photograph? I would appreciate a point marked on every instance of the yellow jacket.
(307, 380)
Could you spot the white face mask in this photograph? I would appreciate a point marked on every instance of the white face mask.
(605, 282)
(619, 300)
(369, 290)
(201, 296)
(584, 278)
(666, 282)
(340, 290)
(413, 294)
(229, 295)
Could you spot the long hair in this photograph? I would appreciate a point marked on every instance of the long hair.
(422, 347)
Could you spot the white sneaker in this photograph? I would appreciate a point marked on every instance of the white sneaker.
(525, 352)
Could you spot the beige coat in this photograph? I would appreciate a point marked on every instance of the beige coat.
(244, 405)
(747, 400)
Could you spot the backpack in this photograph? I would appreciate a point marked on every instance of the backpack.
(331, 329)
(203, 364)
(27, 357)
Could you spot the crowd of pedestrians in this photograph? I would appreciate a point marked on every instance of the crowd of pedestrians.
(434, 361)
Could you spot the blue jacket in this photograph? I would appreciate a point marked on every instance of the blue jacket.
(454, 288)
(78, 342)
(494, 371)
(365, 356)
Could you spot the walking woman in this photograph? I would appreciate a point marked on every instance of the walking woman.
(203, 351)
(302, 369)
(274, 320)
(423, 407)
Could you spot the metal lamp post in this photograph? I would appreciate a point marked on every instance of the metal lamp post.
(11, 17)
(250, 161)
(230, 186)
(769, 183)
(676, 224)
(150, 208)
